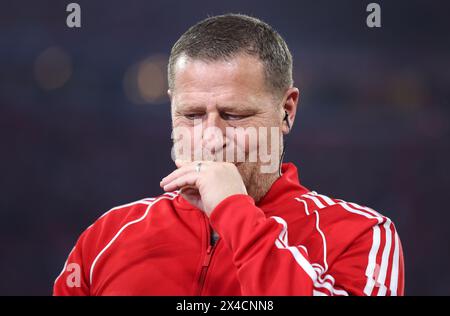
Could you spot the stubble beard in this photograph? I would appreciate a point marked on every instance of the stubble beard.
(256, 182)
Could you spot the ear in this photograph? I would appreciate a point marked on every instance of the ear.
(290, 106)
(169, 93)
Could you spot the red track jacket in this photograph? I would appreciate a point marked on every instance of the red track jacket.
(293, 242)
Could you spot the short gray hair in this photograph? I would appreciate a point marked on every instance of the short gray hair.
(224, 36)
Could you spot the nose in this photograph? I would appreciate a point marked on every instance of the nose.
(214, 133)
(214, 120)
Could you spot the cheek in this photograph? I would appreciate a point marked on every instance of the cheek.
(179, 121)
(187, 139)
(259, 130)
(243, 140)
(267, 119)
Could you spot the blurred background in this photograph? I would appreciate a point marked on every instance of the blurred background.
(85, 121)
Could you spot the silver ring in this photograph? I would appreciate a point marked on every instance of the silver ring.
(197, 166)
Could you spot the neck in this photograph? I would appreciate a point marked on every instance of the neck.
(260, 183)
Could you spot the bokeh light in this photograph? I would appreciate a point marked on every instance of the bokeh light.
(52, 68)
(146, 81)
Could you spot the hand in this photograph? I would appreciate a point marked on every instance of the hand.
(215, 181)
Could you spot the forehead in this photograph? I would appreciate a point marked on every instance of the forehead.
(240, 79)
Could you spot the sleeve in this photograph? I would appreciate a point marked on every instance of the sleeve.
(72, 281)
(268, 265)
(373, 265)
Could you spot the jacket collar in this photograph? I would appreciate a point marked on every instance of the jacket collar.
(285, 187)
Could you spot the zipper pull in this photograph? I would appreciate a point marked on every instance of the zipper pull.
(207, 257)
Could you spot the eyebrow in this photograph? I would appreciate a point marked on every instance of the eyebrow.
(189, 107)
(221, 108)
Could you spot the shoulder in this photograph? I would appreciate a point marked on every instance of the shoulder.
(360, 244)
(327, 206)
(95, 239)
(346, 221)
(110, 223)
(132, 211)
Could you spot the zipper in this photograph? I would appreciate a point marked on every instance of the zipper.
(205, 267)
(207, 260)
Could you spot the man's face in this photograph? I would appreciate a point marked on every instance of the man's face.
(210, 100)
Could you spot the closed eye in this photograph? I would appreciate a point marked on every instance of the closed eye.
(193, 116)
(233, 117)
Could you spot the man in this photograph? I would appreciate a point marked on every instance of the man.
(230, 226)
